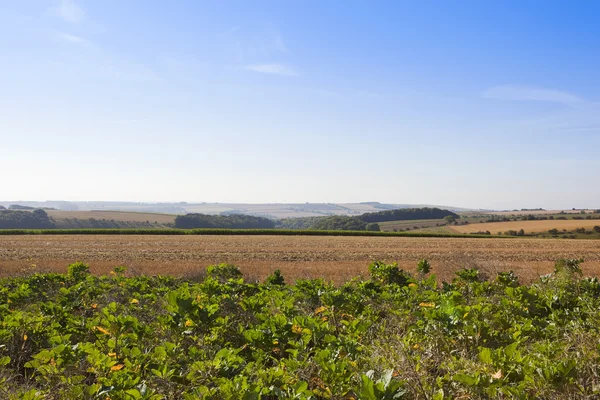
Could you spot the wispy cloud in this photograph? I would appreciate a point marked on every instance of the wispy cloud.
(525, 93)
(273, 69)
(70, 11)
(74, 39)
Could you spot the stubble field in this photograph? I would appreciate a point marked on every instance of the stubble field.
(528, 226)
(332, 258)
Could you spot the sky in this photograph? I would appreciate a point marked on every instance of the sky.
(480, 104)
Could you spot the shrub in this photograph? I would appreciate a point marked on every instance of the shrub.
(275, 278)
(423, 267)
(570, 266)
(223, 272)
(78, 271)
(468, 274)
(372, 227)
(508, 279)
(386, 274)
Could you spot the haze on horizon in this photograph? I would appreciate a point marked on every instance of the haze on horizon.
(472, 104)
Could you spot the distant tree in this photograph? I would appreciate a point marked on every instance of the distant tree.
(406, 214)
(597, 229)
(17, 219)
(450, 219)
(234, 221)
(372, 227)
(20, 207)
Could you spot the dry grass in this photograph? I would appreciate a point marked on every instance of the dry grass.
(536, 212)
(333, 258)
(527, 226)
(116, 215)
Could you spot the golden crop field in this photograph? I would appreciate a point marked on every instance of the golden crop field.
(335, 258)
(114, 215)
(528, 226)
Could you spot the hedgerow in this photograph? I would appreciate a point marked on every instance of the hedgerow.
(76, 335)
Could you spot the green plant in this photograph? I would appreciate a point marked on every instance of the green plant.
(389, 274)
(223, 272)
(423, 267)
(276, 278)
(78, 271)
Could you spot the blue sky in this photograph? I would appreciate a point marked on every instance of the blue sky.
(491, 104)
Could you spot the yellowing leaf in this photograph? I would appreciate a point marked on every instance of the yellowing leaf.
(102, 330)
(134, 301)
(24, 337)
(117, 367)
(424, 304)
(497, 375)
(296, 329)
(112, 354)
(320, 309)
(94, 305)
(188, 323)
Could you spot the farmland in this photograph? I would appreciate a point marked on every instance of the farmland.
(70, 219)
(335, 258)
(528, 226)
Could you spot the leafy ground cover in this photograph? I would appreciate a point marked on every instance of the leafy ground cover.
(394, 335)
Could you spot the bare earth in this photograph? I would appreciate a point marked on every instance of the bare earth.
(333, 258)
(528, 226)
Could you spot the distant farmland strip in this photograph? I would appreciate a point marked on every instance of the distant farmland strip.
(528, 226)
(273, 232)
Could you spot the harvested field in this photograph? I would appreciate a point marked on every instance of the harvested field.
(333, 258)
(528, 226)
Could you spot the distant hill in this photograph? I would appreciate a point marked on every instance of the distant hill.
(367, 221)
(270, 210)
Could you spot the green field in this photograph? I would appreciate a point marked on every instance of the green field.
(391, 336)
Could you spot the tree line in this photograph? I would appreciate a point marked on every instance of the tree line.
(368, 221)
(16, 219)
(234, 221)
(405, 214)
